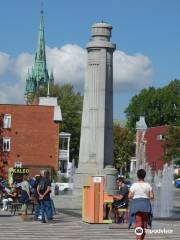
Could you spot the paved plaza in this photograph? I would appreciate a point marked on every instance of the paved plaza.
(66, 226)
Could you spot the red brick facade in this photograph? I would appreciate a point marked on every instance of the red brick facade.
(154, 146)
(34, 136)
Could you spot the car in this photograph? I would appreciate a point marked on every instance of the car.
(62, 188)
(177, 183)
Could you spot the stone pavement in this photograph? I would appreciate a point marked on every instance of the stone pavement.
(66, 226)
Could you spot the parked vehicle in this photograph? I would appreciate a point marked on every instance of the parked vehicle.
(63, 188)
(177, 183)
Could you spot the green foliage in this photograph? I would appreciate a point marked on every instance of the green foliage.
(177, 162)
(159, 106)
(64, 179)
(55, 176)
(127, 176)
(176, 176)
(123, 145)
(71, 108)
(172, 145)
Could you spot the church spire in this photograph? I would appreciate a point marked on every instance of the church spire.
(40, 58)
(39, 76)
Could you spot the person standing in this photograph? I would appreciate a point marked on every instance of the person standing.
(44, 190)
(140, 210)
(37, 214)
(25, 196)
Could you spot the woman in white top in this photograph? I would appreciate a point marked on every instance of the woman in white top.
(140, 208)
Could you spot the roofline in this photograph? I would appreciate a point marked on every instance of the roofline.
(166, 125)
(23, 105)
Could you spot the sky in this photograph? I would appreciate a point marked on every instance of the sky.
(146, 33)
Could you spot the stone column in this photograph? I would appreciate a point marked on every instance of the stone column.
(96, 144)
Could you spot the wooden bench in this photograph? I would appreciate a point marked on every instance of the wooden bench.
(14, 207)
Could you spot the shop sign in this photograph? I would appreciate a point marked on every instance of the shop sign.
(20, 170)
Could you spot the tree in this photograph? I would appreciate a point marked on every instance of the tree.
(123, 139)
(159, 106)
(71, 108)
(172, 145)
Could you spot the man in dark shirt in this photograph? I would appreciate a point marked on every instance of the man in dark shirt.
(121, 199)
(43, 190)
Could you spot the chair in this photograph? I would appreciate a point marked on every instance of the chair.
(123, 215)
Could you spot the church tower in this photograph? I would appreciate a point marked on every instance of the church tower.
(39, 76)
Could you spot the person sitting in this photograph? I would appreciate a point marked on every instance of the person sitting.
(3, 184)
(120, 200)
(11, 195)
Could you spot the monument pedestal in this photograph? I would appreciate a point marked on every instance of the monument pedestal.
(81, 179)
(110, 174)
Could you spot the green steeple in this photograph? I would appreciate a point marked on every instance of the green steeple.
(39, 76)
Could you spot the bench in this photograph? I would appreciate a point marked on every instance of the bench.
(14, 206)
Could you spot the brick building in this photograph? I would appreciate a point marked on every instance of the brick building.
(29, 134)
(149, 146)
(154, 138)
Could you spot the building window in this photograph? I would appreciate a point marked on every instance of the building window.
(7, 121)
(64, 144)
(6, 144)
(161, 137)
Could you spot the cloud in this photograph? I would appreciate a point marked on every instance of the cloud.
(131, 72)
(4, 62)
(22, 64)
(11, 93)
(68, 63)
(12, 72)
